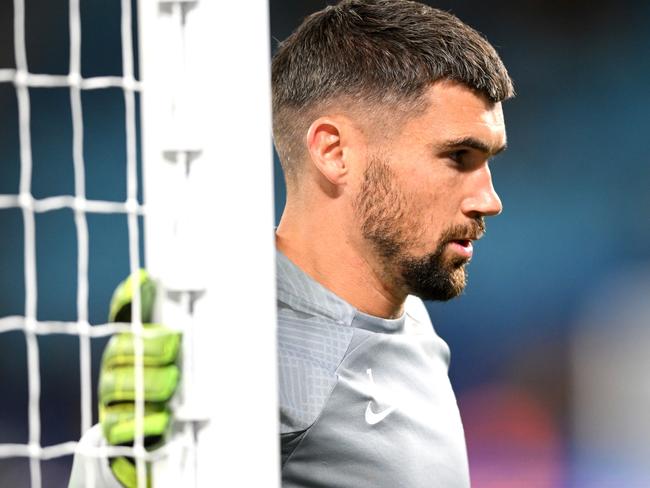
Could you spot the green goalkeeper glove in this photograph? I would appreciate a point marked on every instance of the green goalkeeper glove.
(117, 380)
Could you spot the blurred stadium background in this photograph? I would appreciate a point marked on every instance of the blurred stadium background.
(548, 343)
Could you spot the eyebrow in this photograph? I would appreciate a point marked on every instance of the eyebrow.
(473, 143)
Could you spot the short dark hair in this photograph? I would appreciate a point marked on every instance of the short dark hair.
(374, 52)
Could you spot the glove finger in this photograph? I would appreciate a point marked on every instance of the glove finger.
(160, 344)
(118, 423)
(120, 309)
(124, 471)
(118, 384)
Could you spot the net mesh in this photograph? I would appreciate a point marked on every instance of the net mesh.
(81, 206)
(187, 43)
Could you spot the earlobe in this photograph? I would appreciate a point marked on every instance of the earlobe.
(324, 144)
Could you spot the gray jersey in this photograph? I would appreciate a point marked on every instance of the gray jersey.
(364, 401)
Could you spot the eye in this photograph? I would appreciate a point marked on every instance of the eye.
(459, 157)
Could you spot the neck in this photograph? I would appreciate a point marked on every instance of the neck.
(322, 248)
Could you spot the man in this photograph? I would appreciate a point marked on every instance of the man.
(385, 115)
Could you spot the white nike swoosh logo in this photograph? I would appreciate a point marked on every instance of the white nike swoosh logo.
(373, 418)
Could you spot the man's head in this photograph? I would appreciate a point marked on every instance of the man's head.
(391, 109)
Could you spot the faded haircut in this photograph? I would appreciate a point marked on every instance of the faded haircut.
(375, 54)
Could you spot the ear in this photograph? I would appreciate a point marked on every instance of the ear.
(325, 147)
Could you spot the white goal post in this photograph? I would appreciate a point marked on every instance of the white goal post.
(207, 175)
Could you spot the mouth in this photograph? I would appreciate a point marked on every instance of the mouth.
(462, 247)
(460, 239)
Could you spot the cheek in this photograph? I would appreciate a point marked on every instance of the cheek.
(433, 207)
(431, 197)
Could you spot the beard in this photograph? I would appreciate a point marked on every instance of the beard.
(389, 224)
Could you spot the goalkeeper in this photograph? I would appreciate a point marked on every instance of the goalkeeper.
(386, 114)
(117, 390)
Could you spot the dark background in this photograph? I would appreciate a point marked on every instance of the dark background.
(574, 183)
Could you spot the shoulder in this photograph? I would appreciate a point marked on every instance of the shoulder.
(310, 349)
(319, 339)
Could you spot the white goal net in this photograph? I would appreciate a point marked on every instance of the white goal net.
(207, 206)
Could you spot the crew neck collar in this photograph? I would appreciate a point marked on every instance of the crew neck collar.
(305, 294)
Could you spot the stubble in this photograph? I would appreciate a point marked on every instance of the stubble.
(388, 224)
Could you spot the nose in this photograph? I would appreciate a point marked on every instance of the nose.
(483, 200)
